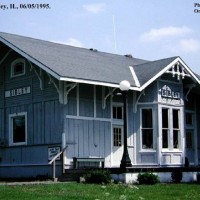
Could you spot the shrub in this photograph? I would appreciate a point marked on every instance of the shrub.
(98, 177)
(176, 176)
(148, 178)
(198, 177)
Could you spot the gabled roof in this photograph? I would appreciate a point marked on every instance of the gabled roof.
(82, 65)
(70, 63)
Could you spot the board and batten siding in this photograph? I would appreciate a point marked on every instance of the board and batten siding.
(44, 120)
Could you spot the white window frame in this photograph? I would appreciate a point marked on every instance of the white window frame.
(116, 120)
(122, 139)
(13, 64)
(171, 129)
(11, 116)
(117, 123)
(141, 130)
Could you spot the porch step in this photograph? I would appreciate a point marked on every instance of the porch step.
(72, 175)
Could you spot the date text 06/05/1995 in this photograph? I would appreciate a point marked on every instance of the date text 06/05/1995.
(197, 11)
(30, 6)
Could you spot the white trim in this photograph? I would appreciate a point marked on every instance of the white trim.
(88, 118)
(95, 83)
(13, 64)
(11, 143)
(141, 149)
(137, 83)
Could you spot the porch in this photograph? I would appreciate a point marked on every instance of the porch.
(129, 175)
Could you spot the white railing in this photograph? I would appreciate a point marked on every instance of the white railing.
(53, 163)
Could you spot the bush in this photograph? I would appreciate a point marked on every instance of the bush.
(148, 178)
(176, 176)
(98, 177)
(198, 177)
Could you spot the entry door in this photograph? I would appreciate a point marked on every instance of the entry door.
(117, 146)
(117, 134)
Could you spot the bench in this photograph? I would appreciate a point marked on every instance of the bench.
(77, 160)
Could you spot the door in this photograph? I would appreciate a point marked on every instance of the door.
(117, 146)
(117, 134)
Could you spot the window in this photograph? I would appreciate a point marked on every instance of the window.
(165, 127)
(18, 68)
(18, 129)
(189, 120)
(189, 139)
(117, 136)
(118, 112)
(170, 128)
(176, 128)
(147, 129)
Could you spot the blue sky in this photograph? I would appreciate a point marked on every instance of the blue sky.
(148, 29)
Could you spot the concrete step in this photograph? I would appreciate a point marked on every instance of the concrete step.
(71, 175)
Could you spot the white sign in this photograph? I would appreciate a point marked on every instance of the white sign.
(168, 93)
(52, 152)
(18, 91)
(169, 96)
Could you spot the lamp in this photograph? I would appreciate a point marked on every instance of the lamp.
(124, 87)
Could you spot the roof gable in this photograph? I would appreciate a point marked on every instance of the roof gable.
(68, 63)
(155, 69)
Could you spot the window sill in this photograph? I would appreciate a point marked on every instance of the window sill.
(18, 144)
(147, 151)
(171, 151)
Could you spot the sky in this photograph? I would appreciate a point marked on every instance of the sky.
(147, 29)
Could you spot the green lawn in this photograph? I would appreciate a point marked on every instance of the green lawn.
(88, 191)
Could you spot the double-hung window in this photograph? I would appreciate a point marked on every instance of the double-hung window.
(18, 129)
(147, 128)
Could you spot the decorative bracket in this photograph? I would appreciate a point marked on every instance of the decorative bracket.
(178, 70)
(137, 100)
(189, 86)
(39, 75)
(52, 81)
(7, 54)
(67, 89)
(105, 97)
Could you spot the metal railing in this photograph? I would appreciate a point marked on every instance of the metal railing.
(53, 163)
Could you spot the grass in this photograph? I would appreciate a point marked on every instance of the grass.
(77, 191)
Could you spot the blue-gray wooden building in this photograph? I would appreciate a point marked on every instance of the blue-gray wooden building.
(54, 96)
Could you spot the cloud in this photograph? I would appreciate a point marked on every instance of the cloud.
(72, 42)
(95, 8)
(189, 45)
(165, 32)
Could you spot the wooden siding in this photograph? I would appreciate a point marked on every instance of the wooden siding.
(88, 138)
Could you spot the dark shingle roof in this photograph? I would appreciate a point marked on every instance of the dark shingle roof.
(72, 62)
(148, 70)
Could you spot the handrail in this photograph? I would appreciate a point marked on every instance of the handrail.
(53, 161)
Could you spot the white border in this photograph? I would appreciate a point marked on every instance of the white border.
(11, 129)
